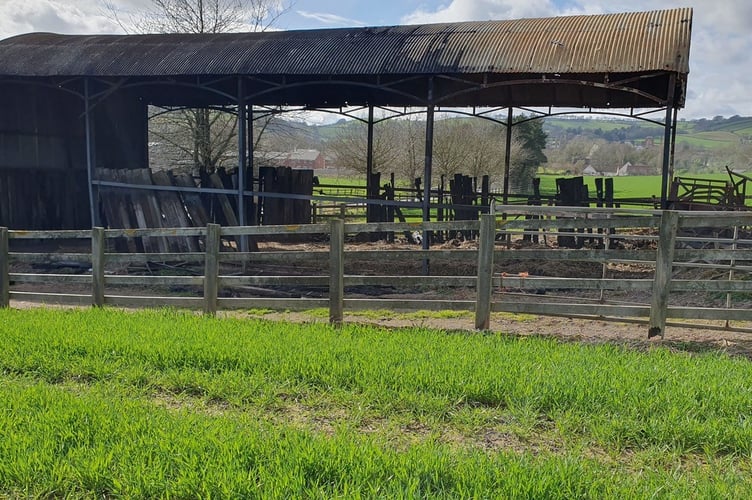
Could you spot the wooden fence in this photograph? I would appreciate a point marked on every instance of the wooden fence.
(710, 249)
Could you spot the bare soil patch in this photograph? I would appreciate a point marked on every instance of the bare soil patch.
(703, 338)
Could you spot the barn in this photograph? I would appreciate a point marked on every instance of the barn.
(72, 106)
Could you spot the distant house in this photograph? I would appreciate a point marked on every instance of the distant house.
(298, 159)
(629, 169)
(590, 170)
(306, 158)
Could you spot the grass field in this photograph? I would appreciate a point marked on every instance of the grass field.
(101, 403)
(636, 186)
(709, 140)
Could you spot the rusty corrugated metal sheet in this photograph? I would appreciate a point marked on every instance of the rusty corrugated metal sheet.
(610, 43)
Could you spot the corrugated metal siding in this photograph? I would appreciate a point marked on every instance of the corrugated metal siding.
(609, 43)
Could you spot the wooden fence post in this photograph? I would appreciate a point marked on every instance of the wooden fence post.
(97, 266)
(663, 269)
(337, 272)
(211, 268)
(486, 239)
(4, 268)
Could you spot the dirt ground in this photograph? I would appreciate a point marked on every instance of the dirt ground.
(703, 338)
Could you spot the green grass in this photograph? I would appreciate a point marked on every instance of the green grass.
(167, 404)
(589, 123)
(709, 140)
(636, 186)
(709, 136)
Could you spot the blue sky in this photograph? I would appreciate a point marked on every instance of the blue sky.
(334, 13)
(720, 58)
(338, 13)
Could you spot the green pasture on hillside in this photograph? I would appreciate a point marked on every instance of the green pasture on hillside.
(156, 404)
(709, 140)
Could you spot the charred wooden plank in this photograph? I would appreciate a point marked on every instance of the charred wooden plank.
(116, 207)
(146, 208)
(174, 212)
(192, 201)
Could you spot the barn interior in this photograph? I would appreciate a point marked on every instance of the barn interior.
(74, 108)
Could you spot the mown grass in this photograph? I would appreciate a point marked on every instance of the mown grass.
(637, 186)
(627, 187)
(163, 403)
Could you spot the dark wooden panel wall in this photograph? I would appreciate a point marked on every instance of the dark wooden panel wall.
(42, 159)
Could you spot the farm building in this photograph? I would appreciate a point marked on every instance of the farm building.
(590, 170)
(73, 108)
(298, 158)
(630, 169)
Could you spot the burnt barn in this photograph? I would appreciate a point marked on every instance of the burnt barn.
(74, 121)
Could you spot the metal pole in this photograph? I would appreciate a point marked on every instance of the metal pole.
(251, 152)
(673, 147)
(667, 140)
(427, 168)
(89, 154)
(428, 161)
(369, 163)
(242, 152)
(734, 246)
(507, 156)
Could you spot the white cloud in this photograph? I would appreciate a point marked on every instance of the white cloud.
(720, 56)
(60, 16)
(330, 19)
(481, 10)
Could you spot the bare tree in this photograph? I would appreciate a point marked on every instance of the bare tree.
(411, 147)
(450, 151)
(199, 16)
(523, 166)
(485, 145)
(211, 134)
(461, 146)
(351, 147)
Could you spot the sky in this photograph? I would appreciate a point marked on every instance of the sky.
(720, 54)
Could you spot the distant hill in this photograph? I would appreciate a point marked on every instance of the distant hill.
(705, 133)
(740, 125)
(709, 133)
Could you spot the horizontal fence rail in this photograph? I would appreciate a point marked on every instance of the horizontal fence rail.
(662, 256)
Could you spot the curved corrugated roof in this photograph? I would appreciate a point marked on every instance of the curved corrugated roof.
(611, 43)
